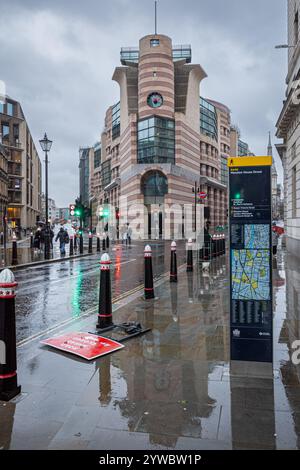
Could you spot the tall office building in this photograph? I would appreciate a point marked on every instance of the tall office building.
(288, 129)
(24, 166)
(162, 137)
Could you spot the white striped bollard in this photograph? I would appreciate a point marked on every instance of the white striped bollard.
(14, 258)
(90, 242)
(8, 347)
(173, 267)
(148, 277)
(189, 260)
(105, 303)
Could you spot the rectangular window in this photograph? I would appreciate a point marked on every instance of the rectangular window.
(208, 119)
(5, 133)
(10, 108)
(296, 29)
(106, 173)
(154, 42)
(293, 151)
(116, 119)
(156, 140)
(294, 192)
(97, 156)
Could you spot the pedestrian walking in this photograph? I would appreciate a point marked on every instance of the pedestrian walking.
(63, 238)
(129, 233)
(37, 239)
(123, 234)
(51, 238)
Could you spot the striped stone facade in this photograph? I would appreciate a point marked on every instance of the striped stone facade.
(196, 156)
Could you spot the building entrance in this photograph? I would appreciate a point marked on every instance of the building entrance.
(154, 186)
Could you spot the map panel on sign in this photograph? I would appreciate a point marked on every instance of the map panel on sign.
(250, 273)
(257, 236)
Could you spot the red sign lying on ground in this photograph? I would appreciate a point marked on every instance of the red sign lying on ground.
(84, 345)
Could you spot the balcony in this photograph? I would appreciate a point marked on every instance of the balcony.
(12, 143)
(179, 52)
(14, 198)
(14, 169)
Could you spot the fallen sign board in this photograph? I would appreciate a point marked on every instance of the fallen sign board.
(85, 345)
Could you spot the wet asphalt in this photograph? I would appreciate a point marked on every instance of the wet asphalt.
(51, 293)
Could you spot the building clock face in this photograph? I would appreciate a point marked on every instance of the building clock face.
(155, 100)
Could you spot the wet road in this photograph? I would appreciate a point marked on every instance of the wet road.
(53, 293)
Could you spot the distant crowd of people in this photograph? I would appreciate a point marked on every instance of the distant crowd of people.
(62, 236)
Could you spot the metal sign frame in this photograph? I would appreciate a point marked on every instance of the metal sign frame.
(251, 319)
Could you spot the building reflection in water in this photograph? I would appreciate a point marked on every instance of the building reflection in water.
(167, 370)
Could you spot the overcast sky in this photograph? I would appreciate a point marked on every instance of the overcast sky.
(57, 58)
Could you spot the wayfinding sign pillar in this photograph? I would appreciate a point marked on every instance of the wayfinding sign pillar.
(250, 213)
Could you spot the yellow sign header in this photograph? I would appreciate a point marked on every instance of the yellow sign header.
(249, 161)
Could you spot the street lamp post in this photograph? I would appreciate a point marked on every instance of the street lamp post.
(46, 146)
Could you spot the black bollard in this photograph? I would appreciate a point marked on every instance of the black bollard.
(75, 241)
(103, 242)
(2, 238)
(81, 244)
(98, 242)
(31, 240)
(189, 259)
(107, 242)
(148, 280)
(213, 246)
(219, 245)
(14, 259)
(90, 242)
(173, 268)
(8, 347)
(105, 305)
(71, 252)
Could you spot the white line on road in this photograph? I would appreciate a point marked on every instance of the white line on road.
(53, 281)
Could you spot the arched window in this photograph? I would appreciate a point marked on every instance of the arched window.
(154, 186)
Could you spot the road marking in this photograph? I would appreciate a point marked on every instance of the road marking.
(158, 279)
(25, 341)
(53, 281)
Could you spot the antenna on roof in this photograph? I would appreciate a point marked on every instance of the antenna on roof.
(155, 10)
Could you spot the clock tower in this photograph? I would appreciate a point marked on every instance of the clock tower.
(155, 77)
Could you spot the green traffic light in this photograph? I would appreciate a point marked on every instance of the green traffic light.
(78, 212)
(237, 196)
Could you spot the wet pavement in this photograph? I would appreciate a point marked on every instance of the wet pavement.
(173, 388)
(27, 255)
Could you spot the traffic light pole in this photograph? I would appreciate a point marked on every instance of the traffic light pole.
(80, 236)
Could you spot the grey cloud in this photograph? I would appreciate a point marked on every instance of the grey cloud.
(57, 58)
